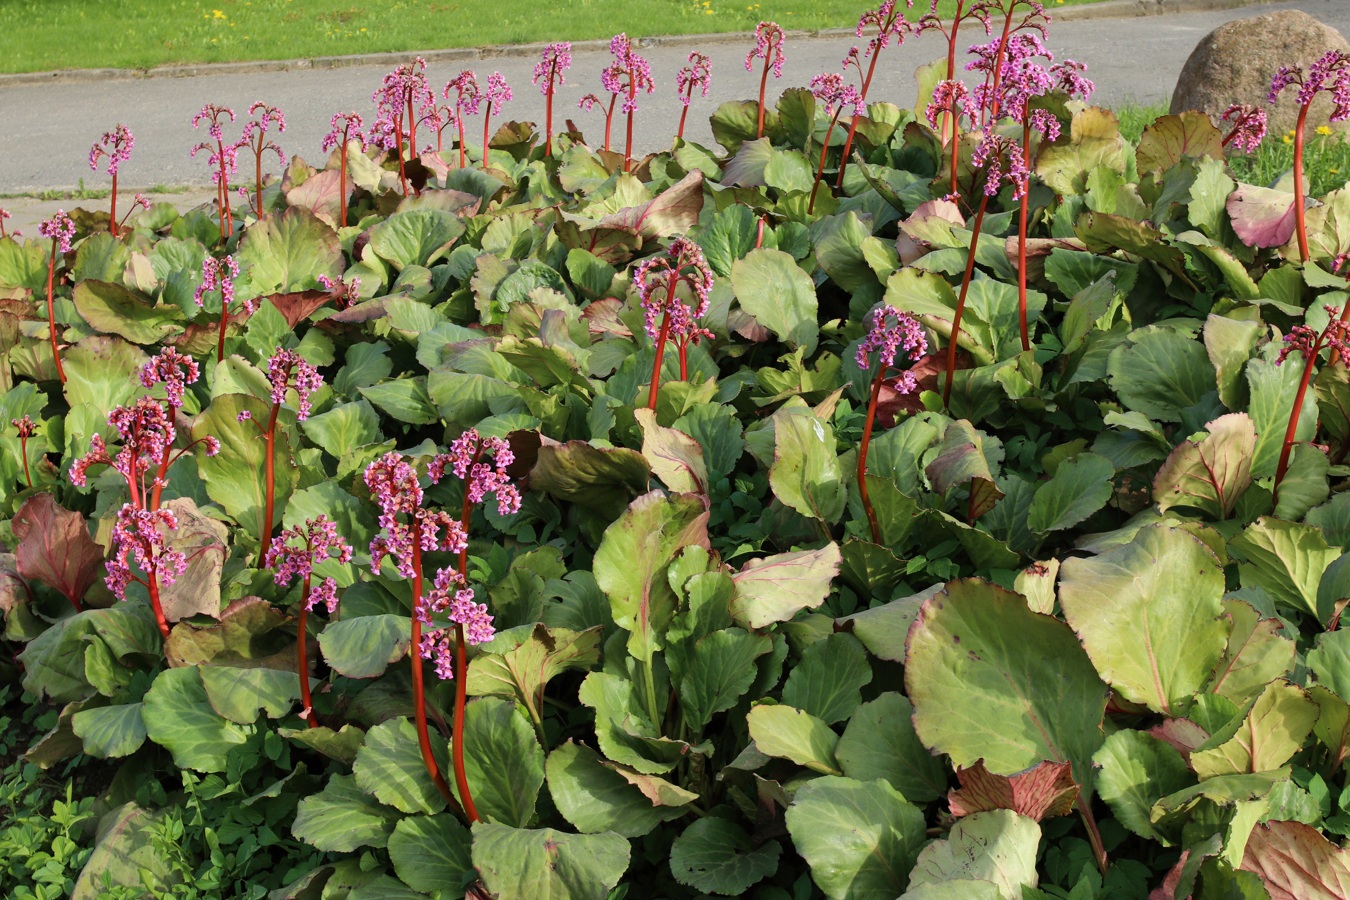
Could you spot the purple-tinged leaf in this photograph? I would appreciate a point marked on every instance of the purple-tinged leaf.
(1041, 792)
(1295, 862)
(1262, 217)
(54, 547)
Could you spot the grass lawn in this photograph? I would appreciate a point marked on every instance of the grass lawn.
(60, 34)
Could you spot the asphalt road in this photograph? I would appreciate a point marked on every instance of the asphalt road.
(47, 128)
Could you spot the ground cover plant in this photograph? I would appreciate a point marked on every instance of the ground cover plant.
(474, 518)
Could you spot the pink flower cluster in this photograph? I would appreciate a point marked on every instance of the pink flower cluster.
(465, 460)
(950, 97)
(657, 279)
(890, 331)
(769, 39)
(256, 130)
(1002, 161)
(139, 536)
(342, 129)
(698, 74)
(25, 426)
(60, 228)
(144, 431)
(886, 23)
(344, 292)
(172, 369)
(115, 145)
(451, 595)
(628, 73)
(550, 71)
(402, 90)
(301, 548)
(219, 275)
(395, 489)
(224, 157)
(1308, 343)
(497, 93)
(467, 94)
(830, 89)
(288, 369)
(1330, 73)
(1248, 126)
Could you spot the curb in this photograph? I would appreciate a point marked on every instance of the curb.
(1108, 9)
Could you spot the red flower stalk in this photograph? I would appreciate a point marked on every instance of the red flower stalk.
(667, 317)
(402, 102)
(285, 370)
(884, 22)
(497, 93)
(26, 430)
(837, 96)
(139, 537)
(61, 229)
(769, 38)
(255, 140)
(965, 9)
(115, 146)
(626, 75)
(298, 551)
(467, 99)
(551, 71)
(1330, 73)
(991, 57)
(344, 128)
(175, 371)
(4, 214)
(888, 332)
(1309, 344)
(219, 275)
(590, 101)
(696, 75)
(222, 160)
(951, 101)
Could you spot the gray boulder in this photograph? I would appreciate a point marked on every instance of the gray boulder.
(1235, 62)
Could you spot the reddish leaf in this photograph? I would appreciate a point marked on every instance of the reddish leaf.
(1040, 792)
(1296, 863)
(1183, 734)
(675, 211)
(202, 540)
(1262, 217)
(296, 307)
(602, 317)
(54, 547)
(321, 194)
(913, 240)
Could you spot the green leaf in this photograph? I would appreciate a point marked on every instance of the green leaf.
(178, 716)
(431, 853)
(992, 680)
(1286, 560)
(879, 742)
(770, 286)
(234, 477)
(623, 728)
(342, 818)
(728, 236)
(126, 855)
(406, 399)
(595, 798)
(288, 253)
(340, 745)
(717, 857)
(1159, 373)
(502, 760)
(364, 646)
(1170, 139)
(525, 670)
(997, 846)
(110, 732)
(543, 864)
(112, 309)
(238, 694)
(1136, 771)
(1273, 389)
(1255, 655)
(1149, 615)
(720, 670)
(1329, 661)
(861, 839)
(634, 555)
(1273, 731)
(828, 680)
(1209, 474)
(792, 734)
(23, 265)
(342, 429)
(776, 588)
(415, 237)
(389, 765)
(602, 479)
(962, 459)
(806, 474)
(1079, 487)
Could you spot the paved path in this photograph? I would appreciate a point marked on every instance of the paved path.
(46, 129)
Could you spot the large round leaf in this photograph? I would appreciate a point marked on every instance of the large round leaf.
(1149, 614)
(717, 856)
(503, 761)
(594, 797)
(390, 766)
(288, 253)
(520, 864)
(770, 286)
(431, 853)
(415, 237)
(178, 716)
(235, 476)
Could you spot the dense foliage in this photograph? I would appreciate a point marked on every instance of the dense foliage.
(612, 514)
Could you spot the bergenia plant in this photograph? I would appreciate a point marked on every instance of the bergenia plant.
(402, 102)
(61, 229)
(1330, 74)
(139, 538)
(5, 214)
(769, 40)
(286, 371)
(467, 99)
(695, 76)
(626, 75)
(406, 532)
(26, 429)
(550, 73)
(219, 275)
(1032, 23)
(1334, 337)
(950, 28)
(175, 371)
(837, 96)
(497, 93)
(481, 464)
(951, 103)
(589, 102)
(668, 316)
(222, 160)
(1001, 160)
(1246, 126)
(880, 26)
(256, 141)
(298, 550)
(115, 146)
(343, 130)
(889, 332)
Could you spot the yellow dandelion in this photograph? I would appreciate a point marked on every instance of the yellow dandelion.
(1323, 129)
(1288, 139)
(218, 14)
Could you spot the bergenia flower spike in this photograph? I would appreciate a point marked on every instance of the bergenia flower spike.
(403, 100)
(343, 129)
(256, 141)
(1309, 344)
(219, 275)
(550, 73)
(5, 214)
(115, 147)
(286, 371)
(769, 38)
(831, 90)
(61, 229)
(1330, 74)
(695, 76)
(467, 99)
(879, 26)
(891, 335)
(625, 76)
(27, 429)
(139, 539)
(222, 159)
(498, 92)
(1247, 126)
(668, 316)
(296, 553)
